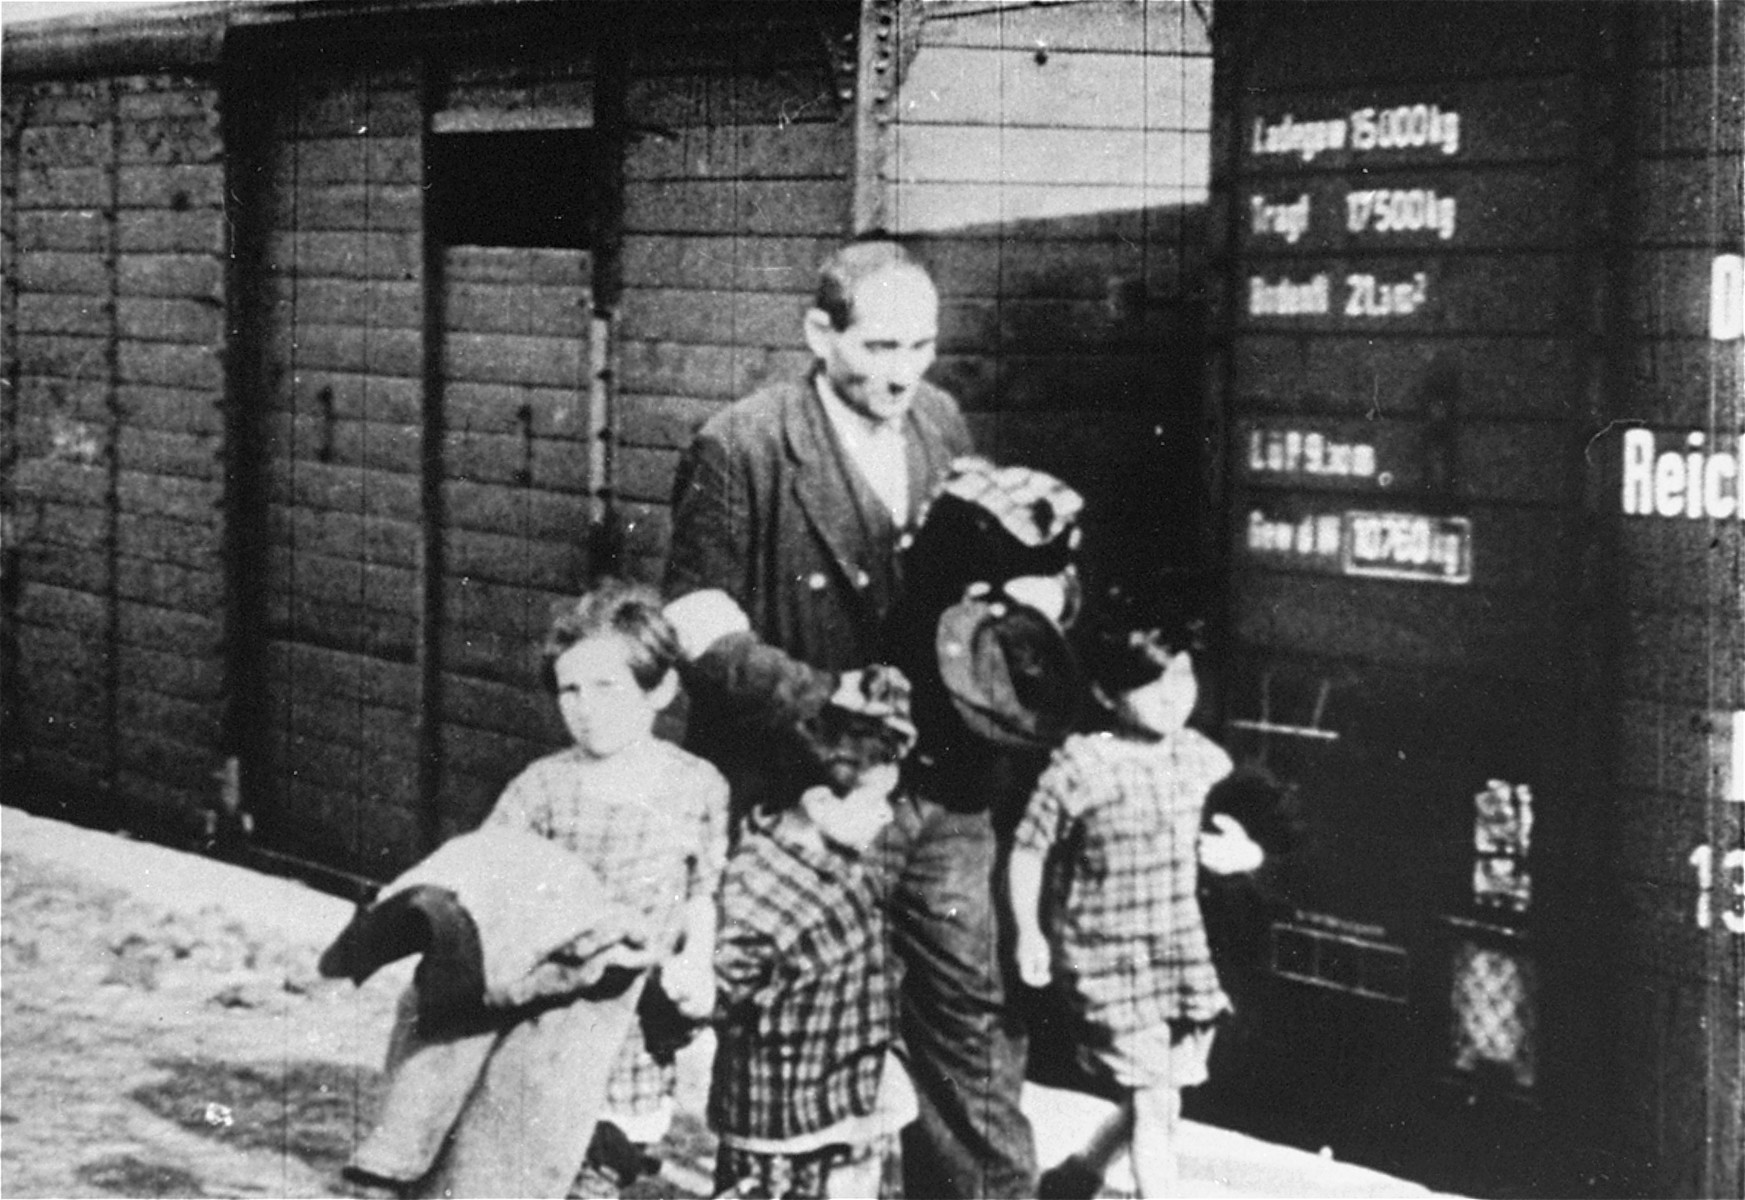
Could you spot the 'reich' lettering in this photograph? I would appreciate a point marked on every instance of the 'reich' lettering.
(1692, 482)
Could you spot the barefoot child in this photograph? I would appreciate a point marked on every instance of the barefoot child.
(1102, 887)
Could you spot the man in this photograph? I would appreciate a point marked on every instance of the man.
(795, 502)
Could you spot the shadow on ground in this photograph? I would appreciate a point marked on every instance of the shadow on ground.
(312, 1110)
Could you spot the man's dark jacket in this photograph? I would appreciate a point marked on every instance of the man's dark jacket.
(768, 508)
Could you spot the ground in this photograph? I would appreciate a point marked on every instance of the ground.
(164, 1032)
(154, 1052)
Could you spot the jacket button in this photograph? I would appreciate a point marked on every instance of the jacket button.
(816, 581)
(861, 578)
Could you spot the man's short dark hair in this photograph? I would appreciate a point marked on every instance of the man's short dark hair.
(845, 270)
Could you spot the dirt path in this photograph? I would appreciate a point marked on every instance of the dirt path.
(157, 1050)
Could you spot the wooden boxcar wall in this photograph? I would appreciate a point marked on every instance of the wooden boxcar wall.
(1051, 161)
(1486, 587)
(738, 181)
(458, 424)
(113, 479)
(1675, 864)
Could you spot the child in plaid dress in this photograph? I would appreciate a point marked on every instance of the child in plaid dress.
(1106, 862)
(802, 1098)
(648, 817)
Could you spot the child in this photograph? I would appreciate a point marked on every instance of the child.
(801, 1098)
(1125, 945)
(644, 823)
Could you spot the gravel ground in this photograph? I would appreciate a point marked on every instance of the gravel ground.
(157, 1044)
(164, 1033)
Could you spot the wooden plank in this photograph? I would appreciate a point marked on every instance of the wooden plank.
(1681, 110)
(1115, 26)
(644, 473)
(350, 207)
(79, 613)
(63, 313)
(350, 255)
(350, 722)
(302, 483)
(63, 187)
(490, 655)
(315, 671)
(372, 302)
(164, 540)
(719, 317)
(322, 162)
(526, 309)
(1691, 202)
(156, 452)
(174, 769)
(376, 444)
(648, 531)
(63, 271)
(60, 229)
(1418, 625)
(706, 372)
(194, 138)
(182, 187)
(1048, 267)
(168, 630)
(962, 85)
(781, 207)
(559, 413)
(726, 262)
(345, 535)
(518, 266)
(485, 754)
(519, 511)
(357, 349)
(142, 711)
(340, 828)
(168, 409)
(61, 147)
(352, 396)
(357, 770)
(773, 96)
(340, 625)
(1097, 211)
(193, 678)
(366, 585)
(792, 151)
(149, 99)
(524, 613)
(669, 421)
(522, 708)
(200, 322)
(1669, 292)
(555, 566)
(171, 365)
(1671, 566)
(1027, 157)
(192, 276)
(507, 358)
(1388, 377)
(197, 501)
(152, 231)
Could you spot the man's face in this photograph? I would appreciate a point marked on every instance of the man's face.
(876, 363)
